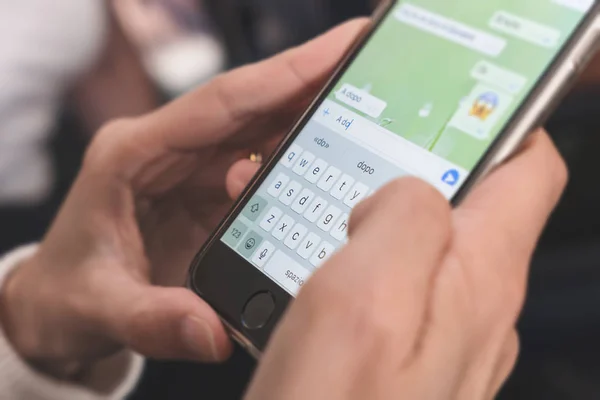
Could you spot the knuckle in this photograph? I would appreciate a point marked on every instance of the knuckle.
(114, 128)
(367, 321)
(375, 322)
(370, 320)
(222, 88)
(108, 143)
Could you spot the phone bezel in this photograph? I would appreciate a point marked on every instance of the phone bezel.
(215, 265)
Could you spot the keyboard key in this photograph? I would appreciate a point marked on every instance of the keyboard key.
(262, 255)
(315, 210)
(235, 233)
(316, 171)
(249, 245)
(356, 194)
(329, 178)
(308, 245)
(328, 218)
(290, 193)
(287, 272)
(255, 208)
(271, 218)
(342, 187)
(303, 201)
(304, 161)
(325, 250)
(283, 227)
(340, 228)
(278, 185)
(291, 156)
(295, 237)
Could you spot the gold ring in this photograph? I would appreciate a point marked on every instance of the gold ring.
(256, 157)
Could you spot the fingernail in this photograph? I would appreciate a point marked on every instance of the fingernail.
(199, 339)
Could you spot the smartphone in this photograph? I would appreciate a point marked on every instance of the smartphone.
(442, 90)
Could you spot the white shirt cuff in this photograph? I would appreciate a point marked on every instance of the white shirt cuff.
(118, 375)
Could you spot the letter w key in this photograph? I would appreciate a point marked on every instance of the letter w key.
(304, 162)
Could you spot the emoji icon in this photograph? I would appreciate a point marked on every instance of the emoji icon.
(250, 243)
(484, 106)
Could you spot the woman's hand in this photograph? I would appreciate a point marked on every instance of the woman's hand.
(150, 192)
(422, 302)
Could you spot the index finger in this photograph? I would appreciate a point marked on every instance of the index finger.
(516, 201)
(231, 101)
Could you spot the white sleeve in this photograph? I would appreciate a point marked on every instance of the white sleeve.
(116, 376)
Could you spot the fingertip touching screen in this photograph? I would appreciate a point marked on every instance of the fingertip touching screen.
(426, 96)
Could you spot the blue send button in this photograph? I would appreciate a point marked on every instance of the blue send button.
(451, 177)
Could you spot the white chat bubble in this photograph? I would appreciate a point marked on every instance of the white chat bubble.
(577, 5)
(361, 100)
(451, 30)
(491, 74)
(479, 113)
(525, 29)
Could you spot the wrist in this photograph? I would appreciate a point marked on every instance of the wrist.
(22, 322)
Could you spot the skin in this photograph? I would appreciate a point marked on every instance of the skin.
(422, 293)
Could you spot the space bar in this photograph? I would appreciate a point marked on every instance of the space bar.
(287, 272)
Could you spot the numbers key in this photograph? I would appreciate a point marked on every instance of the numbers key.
(235, 233)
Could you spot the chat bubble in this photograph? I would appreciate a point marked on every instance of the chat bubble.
(451, 30)
(525, 29)
(491, 74)
(361, 100)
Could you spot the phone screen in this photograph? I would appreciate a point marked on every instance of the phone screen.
(426, 96)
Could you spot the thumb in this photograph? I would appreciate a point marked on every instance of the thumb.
(173, 323)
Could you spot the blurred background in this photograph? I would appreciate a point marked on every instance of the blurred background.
(69, 66)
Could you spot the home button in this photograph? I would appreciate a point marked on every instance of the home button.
(258, 310)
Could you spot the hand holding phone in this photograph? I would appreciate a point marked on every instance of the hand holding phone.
(443, 91)
(150, 192)
(422, 303)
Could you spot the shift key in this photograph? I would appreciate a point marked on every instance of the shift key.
(287, 272)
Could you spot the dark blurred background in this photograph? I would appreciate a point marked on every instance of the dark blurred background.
(149, 51)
